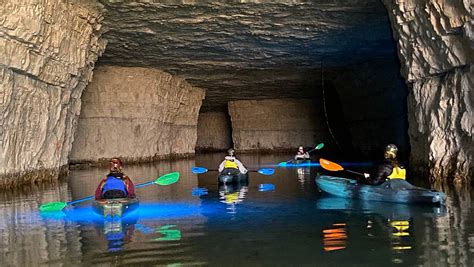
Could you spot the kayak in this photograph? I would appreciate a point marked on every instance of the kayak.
(232, 176)
(394, 190)
(115, 207)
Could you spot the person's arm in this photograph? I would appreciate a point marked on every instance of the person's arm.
(98, 190)
(383, 172)
(130, 186)
(241, 166)
(221, 166)
(306, 155)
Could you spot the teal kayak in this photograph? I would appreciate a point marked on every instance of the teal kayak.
(394, 190)
(117, 207)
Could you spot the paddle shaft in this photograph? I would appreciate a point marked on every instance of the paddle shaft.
(92, 197)
(358, 173)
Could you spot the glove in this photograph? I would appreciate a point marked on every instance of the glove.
(366, 175)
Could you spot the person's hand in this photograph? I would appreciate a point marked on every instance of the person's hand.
(366, 175)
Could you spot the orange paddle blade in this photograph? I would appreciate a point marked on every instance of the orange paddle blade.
(330, 166)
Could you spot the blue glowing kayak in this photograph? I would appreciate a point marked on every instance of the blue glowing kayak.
(395, 190)
(232, 176)
(117, 207)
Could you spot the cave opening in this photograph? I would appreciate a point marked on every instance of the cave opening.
(260, 67)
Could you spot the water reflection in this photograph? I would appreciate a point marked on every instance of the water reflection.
(288, 226)
(334, 237)
(232, 195)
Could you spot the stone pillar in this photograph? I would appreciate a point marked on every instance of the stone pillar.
(435, 40)
(138, 114)
(276, 124)
(214, 131)
(47, 52)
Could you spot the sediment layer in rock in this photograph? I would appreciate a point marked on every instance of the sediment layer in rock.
(45, 63)
(276, 124)
(136, 114)
(435, 48)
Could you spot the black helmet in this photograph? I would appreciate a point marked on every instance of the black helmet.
(231, 152)
(391, 151)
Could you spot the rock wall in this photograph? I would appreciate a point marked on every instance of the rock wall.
(48, 50)
(137, 114)
(214, 131)
(276, 124)
(435, 42)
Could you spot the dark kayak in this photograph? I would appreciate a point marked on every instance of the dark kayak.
(232, 176)
(115, 207)
(395, 190)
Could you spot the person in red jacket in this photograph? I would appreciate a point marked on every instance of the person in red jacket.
(116, 184)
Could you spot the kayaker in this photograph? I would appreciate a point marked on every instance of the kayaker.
(389, 169)
(116, 184)
(301, 154)
(232, 164)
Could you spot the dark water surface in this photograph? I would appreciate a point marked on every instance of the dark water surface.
(180, 225)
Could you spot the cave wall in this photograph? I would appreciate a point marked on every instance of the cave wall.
(435, 42)
(276, 124)
(214, 131)
(45, 64)
(138, 114)
(373, 99)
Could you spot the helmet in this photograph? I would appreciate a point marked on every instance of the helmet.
(116, 164)
(390, 151)
(231, 152)
(300, 148)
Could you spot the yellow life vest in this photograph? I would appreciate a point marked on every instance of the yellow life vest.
(230, 165)
(398, 173)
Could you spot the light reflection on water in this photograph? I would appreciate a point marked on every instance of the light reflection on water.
(293, 224)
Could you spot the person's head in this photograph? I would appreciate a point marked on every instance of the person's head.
(391, 151)
(231, 152)
(300, 149)
(116, 165)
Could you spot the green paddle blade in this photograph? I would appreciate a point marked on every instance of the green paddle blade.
(319, 146)
(52, 206)
(168, 179)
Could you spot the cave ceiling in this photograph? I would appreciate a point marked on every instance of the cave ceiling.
(246, 49)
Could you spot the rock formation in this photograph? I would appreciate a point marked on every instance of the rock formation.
(48, 51)
(137, 114)
(214, 131)
(276, 124)
(435, 40)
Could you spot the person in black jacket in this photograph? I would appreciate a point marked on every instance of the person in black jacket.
(389, 169)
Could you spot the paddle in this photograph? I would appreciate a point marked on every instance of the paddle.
(265, 171)
(166, 179)
(334, 167)
(318, 147)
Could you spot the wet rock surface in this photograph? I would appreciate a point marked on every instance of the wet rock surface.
(435, 40)
(45, 63)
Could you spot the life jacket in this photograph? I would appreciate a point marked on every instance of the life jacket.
(230, 164)
(398, 172)
(114, 183)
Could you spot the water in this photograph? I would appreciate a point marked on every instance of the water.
(279, 220)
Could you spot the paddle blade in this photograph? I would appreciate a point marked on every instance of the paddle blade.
(52, 206)
(282, 164)
(330, 166)
(199, 170)
(266, 171)
(319, 146)
(168, 179)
